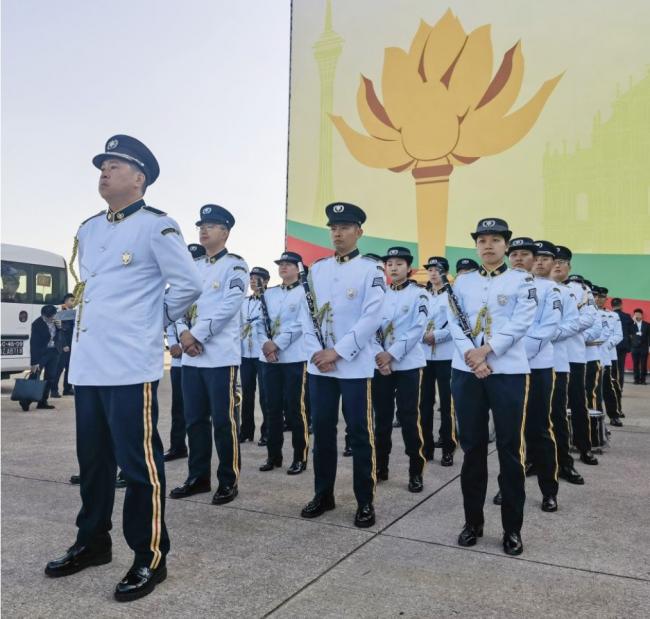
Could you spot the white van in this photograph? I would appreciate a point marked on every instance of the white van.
(31, 278)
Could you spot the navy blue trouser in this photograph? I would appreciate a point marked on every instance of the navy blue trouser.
(287, 395)
(438, 372)
(117, 426)
(250, 376)
(209, 397)
(578, 405)
(560, 419)
(607, 388)
(505, 395)
(324, 394)
(177, 432)
(49, 362)
(401, 387)
(539, 432)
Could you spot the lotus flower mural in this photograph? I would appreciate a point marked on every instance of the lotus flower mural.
(441, 108)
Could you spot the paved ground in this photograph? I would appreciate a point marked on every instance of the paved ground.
(256, 557)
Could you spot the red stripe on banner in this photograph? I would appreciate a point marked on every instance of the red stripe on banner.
(308, 251)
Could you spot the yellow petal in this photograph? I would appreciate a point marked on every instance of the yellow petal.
(442, 47)
(473, 70)
(480, 135)
(430, 129)
(371, 151)
(399, 83)
(504, 87)
(418, 43)
(372, 112)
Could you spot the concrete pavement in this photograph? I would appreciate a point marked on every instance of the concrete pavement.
(256, 557)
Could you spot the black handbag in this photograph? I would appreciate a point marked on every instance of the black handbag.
(29, 389)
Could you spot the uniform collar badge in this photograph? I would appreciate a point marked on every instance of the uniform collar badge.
(498, 271)
(353, 254)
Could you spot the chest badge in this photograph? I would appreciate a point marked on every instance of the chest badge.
(502, 299)
(350, 293)
(127, 258)
(216, 284)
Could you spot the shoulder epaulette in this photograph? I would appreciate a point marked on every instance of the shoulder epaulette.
(153, 210)
(421, 285)
(235, 256)
(519, 269)
(92, 217)
(369, 258)
(320, 260)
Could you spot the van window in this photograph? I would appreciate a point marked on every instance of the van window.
(15, 278)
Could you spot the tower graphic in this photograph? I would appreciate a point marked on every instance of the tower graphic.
(326, 52)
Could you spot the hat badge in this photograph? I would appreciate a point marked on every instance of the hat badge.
(393, 252)
(112, 144)
(518, 242)
(489, 223)
(206, 210)
(538, 244)
(285, 256)
(338, 208)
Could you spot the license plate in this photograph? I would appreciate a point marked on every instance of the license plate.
(12, 347)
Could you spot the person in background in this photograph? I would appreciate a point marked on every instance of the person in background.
(44, 348)
(640, 342)
(66, 315)
(623, 347)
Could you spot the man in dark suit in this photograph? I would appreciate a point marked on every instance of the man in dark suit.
(44, 348)
(623, 347)
(640, 344)
(67, 316)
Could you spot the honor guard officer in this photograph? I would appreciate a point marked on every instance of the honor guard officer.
(439, 350)
(211, 355)
(127, 255)
(398, 378)
(576, 353)
(177, 446)
(490, 372)
(609, 338)
(541, 450)
(616, 329)
(466, 265)
(283, 365)
(349, 291)
(593, 341)
(250, 373)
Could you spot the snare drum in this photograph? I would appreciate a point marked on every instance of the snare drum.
(598, 433)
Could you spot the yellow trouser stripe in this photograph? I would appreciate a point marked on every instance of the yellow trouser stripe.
(233, 424)
(453, 421)
(418, 420)
(303, 412)
(371, 436)
(156, 521)
(522, 442)
(551, 428)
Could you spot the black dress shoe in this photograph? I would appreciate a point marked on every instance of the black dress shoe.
(397, 423)
(320, 504)
(568, 473)
(447, 459)
(120, 482)
(415, 483)
(347, 452)
(512, 544)
(616, 422)
(174, 454)
(138, 582)
(297, 467)
(469, 535)
(498, 499)
(190, 487)
(68, 392)
(365, 516)
(75, 480)
(549, 503)
(438, 444)
(24, 404)
(588, 458)
(382, 473)
(531, 469)
(271, 464)
(77, 558)
(243, 439)
(45, 405)
(262, 442)
(621, 415)
(55, 394)
(224, 494)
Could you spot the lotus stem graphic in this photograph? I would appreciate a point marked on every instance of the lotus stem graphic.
(441, 108)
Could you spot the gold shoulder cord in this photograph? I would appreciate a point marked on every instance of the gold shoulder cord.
(79, 286)
(484, 313)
